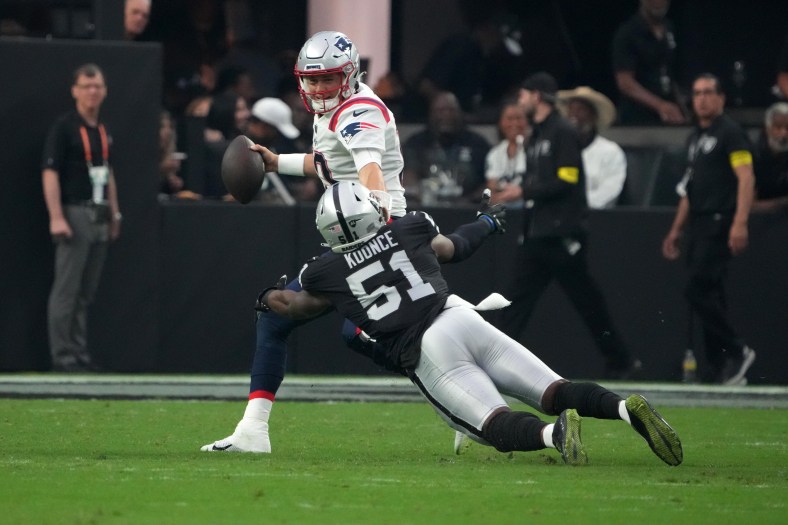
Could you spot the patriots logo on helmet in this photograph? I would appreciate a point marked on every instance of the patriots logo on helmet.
(349, 131)
(343, 44)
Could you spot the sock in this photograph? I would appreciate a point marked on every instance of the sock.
(258, 408)
(508, 431)
(547, 435)
(589, 399)
(623, 412)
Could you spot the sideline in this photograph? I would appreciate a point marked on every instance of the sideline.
(340, 388)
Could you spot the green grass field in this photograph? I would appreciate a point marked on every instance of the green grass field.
(138, 462)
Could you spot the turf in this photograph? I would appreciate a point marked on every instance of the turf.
(138, 462)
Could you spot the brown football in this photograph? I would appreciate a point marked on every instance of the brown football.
(243, 170)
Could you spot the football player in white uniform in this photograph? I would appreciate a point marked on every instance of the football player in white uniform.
(355, 138)
(461, 363)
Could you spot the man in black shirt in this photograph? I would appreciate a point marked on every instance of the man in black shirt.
(82, 200)
(555, 237)
(771, 161)
(644, 48)
(716, 196)
(386, 278)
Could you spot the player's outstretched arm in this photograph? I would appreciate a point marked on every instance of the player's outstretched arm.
(289, 303)
(295, 305)
(466, 239)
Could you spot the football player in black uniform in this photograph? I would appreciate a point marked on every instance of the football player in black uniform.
(386, 278)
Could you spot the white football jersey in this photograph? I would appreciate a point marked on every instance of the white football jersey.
(362, 121)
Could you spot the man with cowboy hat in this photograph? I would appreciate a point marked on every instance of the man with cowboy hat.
(604, 161)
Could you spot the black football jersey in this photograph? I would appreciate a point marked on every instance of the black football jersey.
(391, 286)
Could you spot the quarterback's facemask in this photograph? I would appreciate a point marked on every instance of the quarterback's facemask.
(347, 215)
(325, 53)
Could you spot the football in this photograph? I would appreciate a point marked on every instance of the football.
(243, 170)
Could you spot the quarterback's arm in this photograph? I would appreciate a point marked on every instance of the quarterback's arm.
(296, 305)
(301, 164)
(371, 176)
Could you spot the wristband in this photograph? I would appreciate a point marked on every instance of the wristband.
(490, 221)
(292, 164)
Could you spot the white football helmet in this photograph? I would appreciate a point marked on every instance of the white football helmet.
(347, 215)
(325, 53)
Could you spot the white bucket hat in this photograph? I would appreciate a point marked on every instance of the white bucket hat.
(276, 113)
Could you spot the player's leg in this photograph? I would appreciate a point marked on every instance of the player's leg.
(519, 373)
(593, 400)
(268, 371)
(466, 398)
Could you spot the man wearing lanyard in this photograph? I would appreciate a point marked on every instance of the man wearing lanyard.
(82, 200)
(715, 199)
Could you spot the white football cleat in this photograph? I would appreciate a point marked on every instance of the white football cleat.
(249, 436)
(461, 442)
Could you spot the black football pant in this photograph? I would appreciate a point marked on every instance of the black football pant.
(707, 260)
(539, 261)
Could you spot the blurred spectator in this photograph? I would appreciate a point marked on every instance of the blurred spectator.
(199, 106)
(271, 125)
(480, 66)
(287, 90)
(444, 163)
(169, 158)
(397, 95)
(193, 39)
(555, 239)
(505, 163)
(237, 80)
(604, 161)
(644, 50)
(136, 15)
(227, 118)
(782, 71)
(771, 161)
(244, 49)
(716, 197)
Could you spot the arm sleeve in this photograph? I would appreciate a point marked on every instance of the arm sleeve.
(467, 239)
(364, 156)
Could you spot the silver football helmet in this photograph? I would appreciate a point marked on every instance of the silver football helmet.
(347, 215)
(325, 53)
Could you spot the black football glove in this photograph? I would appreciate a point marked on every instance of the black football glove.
(261, 305)
(495, 215)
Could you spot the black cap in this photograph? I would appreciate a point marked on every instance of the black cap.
(544, 83)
